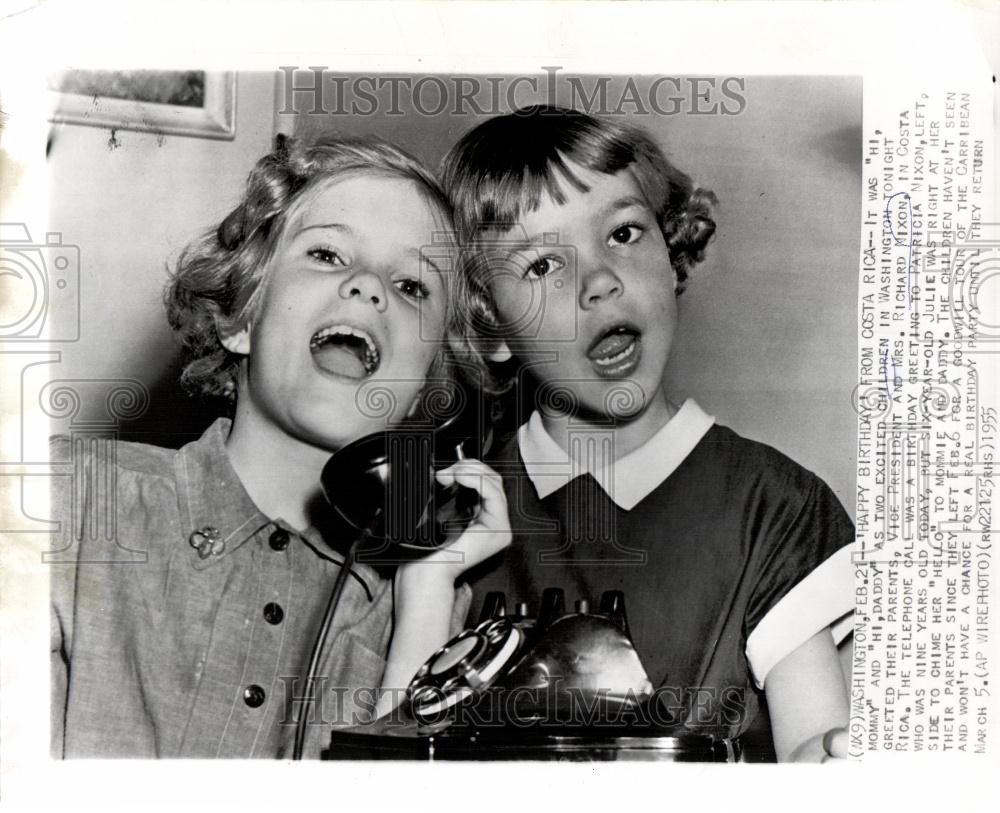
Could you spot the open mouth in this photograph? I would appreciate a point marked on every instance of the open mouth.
(346, 351)
(616, 352)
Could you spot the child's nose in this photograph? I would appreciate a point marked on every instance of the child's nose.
(367, 286)
(600, 283)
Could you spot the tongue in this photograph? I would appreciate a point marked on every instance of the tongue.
(340, 359)
(611, 345)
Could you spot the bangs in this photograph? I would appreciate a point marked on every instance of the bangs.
(503, 197)
(509, 163)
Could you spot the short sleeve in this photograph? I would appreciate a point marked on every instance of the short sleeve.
(803, 580)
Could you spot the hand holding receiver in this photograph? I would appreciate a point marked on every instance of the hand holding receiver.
(487, 532)
(425, 588)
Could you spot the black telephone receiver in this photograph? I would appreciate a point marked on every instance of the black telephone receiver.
(383, 485)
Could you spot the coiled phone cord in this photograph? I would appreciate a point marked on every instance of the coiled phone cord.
(324, 630)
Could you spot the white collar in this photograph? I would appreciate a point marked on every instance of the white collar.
(627, 481)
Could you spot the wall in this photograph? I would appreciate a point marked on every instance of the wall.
(131, 201)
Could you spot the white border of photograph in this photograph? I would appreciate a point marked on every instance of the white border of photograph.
(937, 43)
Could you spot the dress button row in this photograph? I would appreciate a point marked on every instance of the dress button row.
(273, 613)
(279, 539)
(253, 695)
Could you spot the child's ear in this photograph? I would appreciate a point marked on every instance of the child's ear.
(500, 352)
(234, 340)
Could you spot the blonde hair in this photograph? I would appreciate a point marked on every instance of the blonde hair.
(217, 282)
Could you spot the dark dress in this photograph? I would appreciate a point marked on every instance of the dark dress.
(701, 560)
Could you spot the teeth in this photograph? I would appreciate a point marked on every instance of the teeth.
(617, 357)
(344, 330)
(372, 357)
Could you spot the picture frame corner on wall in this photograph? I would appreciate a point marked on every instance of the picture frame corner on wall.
(191, 103)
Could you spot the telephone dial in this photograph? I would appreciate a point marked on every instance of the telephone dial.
(555, 686)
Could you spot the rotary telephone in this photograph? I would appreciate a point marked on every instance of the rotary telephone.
(556, 686)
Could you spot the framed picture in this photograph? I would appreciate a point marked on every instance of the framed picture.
(201, 104)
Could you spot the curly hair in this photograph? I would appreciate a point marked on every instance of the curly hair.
(216, 285)
(502, 168)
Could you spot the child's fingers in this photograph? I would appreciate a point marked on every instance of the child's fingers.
(484, 481)
(835, 744)
(471, 468)
(489, 532)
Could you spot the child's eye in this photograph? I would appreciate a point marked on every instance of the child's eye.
(327, 256)
(412, 288)
(625, 234)
(544, 266)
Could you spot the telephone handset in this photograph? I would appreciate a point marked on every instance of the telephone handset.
(383, 485)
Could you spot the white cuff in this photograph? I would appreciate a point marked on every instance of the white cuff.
(824, 598)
